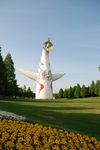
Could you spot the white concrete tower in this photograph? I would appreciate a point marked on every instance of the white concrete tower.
(44, 77)
(44, 88)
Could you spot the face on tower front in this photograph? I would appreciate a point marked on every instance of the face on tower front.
(48, 45)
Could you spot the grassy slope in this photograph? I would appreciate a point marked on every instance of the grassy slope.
(81, 115)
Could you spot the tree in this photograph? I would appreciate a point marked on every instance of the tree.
(84, 91)
(12, 87)
(2, 76)
(65, 93)
(73, 89)
(97, 88)
(77, 92)
(20, 92)
(92, 89)
(24, 91)
(61, 93)
(55, 95)
(99, 91)
(70, 92)
(88, 93)
(29, 92)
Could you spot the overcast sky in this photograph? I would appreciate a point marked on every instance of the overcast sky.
(74, 29)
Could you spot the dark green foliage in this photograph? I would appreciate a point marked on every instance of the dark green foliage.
(1, 74)
(84, 91)
(70, 92)
(92, 89)
(61, 93)
(97, 88)
(65, 93)
(55, 95)
(30, 93)
(3, 77)
(8, 82)
(12, 87)
(88, 93)
(77, 92)
(73, 89)
(25, 92)
(20, 92)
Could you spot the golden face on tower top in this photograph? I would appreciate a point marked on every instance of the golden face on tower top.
(48, 45)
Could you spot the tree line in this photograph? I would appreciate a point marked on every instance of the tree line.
(9, 87)
(80, 91)
(8, 82)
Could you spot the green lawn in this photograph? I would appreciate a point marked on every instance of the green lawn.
(80, 115)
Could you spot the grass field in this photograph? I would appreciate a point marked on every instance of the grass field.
(79, 115)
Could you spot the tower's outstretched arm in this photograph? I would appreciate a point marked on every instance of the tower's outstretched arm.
(57, 76)
(29, 74)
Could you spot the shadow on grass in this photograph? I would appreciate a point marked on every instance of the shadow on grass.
(60, 117)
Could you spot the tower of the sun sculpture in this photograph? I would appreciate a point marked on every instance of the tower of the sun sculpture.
(44, 77)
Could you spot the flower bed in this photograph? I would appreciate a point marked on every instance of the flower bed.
(20, 135)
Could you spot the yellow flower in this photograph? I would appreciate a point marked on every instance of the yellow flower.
(9, 145)
(27, 136)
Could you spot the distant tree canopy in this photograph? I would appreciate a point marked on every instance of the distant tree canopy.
(61, 93)
(25, 92)
(11, 87)
(77, 92)
(80, 92)
(8, 82)
(3, 77)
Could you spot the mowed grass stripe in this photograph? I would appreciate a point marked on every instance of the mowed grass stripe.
(80, 115)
